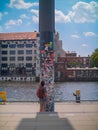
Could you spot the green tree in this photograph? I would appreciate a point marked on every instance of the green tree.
(94, 58)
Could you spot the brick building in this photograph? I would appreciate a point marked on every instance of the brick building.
(73, 68)
(72, 60)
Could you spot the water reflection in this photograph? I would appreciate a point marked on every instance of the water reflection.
(63, 91)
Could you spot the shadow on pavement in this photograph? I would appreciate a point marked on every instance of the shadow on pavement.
(45, 121)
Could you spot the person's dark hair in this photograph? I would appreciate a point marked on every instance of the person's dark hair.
(42, 83)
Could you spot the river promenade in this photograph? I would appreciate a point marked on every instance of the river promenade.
(67, 116)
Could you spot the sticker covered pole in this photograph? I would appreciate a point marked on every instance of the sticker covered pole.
(46, 29)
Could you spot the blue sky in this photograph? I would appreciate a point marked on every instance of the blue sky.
(76, 21)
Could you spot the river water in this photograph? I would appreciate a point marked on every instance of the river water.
(63, 91)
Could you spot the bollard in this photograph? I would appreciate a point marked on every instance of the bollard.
(77, 95)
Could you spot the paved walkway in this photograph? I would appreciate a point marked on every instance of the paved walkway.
(67, 116)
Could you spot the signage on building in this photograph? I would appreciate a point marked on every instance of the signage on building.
(2, 96)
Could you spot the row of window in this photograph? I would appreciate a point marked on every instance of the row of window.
(18, 42)
(27, 65)
(18, 45)
(20, 58)
(13, 52)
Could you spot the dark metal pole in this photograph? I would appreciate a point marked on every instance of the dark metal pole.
(46, 29)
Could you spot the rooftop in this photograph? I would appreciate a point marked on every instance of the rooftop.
(18, 35)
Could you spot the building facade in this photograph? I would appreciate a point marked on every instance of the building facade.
(75, 68)
(81, 74)
(19, 54)
(72, 60)
(58, 50)
(74, 74)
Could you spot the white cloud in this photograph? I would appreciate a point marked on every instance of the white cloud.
(60, 17)
(35, 19)
(36, 12)
(81, 12)
(19, 22)
(13, 22)
(75, 36)
(0, 16)
(84, 45)
(20, 4)
(24, 16)
(35, 16)
(84, 12)
(89, 34)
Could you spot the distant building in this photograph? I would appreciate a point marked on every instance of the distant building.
(74, 74)
(20, 57)
(58, 50)
(81, 74)
(20, 53)
(72, 60)
(73, 68)
(59, 71)
(70, 54)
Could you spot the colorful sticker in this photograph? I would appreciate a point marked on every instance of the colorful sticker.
(47, 73)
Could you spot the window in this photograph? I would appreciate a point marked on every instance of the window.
(35, 51)
(12, 58)
(28, 64)
(16, 42)
(33, 41)
(34, 64)
(8, 42)
(4, 46)
(20, 45)
(28, 51)
(20, 64)
(4, 65)
(4, 52)
(20, 51)
(12, 45)
(34, 57)
(28, 45)
(12, 65)
(21, 58)
(35, 45)
(4, 58)
(12, 52)
(28, 58)
(37, 34)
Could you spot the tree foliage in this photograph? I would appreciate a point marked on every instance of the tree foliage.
(94, 58)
